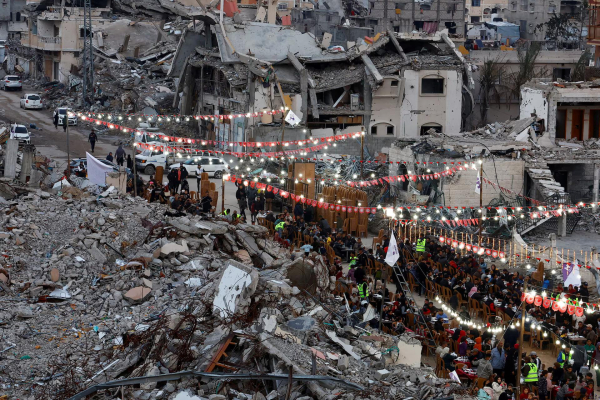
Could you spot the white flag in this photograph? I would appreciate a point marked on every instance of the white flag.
(478, 184)
(392, 254)
(292, 118)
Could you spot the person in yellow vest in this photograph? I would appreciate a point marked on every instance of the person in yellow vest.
(421, 244)
(529, 372)
(363, 290)
(564, 357)
(280, 227)
(353, 261)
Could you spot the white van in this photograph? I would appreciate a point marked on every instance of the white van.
(214, 166)
(148, 160)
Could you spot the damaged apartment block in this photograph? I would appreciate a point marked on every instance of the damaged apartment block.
(398, 86)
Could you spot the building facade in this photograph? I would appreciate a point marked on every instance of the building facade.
(406, 16)
(56, 37)
(12, 19)
(569, 111)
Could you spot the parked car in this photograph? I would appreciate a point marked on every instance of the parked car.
(20, 133)
(148, 160)
(31, 101)
(214, 166)
(62, 111)
(11, 82)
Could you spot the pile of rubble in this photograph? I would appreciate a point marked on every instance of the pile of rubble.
(95, 289)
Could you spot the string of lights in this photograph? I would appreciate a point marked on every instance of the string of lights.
(558, 339)
(494, 328)
(175, 148)
(178, 117)
(361, 183)
(505, 190)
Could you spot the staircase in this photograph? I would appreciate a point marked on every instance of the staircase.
(553, 194)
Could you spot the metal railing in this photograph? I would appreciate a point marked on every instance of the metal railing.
(50, 39)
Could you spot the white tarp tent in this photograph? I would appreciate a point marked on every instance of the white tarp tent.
(96, 170)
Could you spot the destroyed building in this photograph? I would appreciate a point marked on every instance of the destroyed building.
(569, 109)
(12, 21)
(397, 87)
(54, 41)
(406, 16)
(479, 11)
(322, 22)
(558, 64)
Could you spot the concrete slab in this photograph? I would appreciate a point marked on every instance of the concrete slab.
(237, 284)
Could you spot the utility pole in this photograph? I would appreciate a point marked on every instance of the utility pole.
(88, 54)
(135, 168)
(222, 196)
(521, 336)
(480, 201)
(66, 121)
(362, 151)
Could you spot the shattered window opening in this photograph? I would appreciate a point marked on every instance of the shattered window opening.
(432, 86)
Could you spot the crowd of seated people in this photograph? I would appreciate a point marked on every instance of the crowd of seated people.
(473, 284)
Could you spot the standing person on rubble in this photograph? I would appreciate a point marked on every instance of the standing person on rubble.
(172, 178)
(120, 155)
(91, 138)
(180, 174)
(243, 203)
(269, 196)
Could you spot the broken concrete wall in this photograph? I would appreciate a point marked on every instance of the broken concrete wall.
(459, 189)
(185, 48)
(578, 180)
(423, 109)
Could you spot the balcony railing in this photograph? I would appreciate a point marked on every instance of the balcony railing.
(50, 39)
(48, 43)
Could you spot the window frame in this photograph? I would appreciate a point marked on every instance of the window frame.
(433, 77)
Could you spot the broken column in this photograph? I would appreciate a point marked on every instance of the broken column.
(596, 182)
(562, 225)
(10, 158)
(26, 163)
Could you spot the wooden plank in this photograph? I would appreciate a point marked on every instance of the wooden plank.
(217, 357)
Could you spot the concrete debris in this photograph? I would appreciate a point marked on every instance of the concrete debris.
(149, 302)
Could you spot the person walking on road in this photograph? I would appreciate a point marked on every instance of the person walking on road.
(109, 157)
(55, 120)
(91, 138)
(120, 154)
(129, 161)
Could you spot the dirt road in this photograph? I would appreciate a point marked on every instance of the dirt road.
(47, 139)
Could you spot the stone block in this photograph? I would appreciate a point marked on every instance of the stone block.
(343, 362)
(381, 374)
